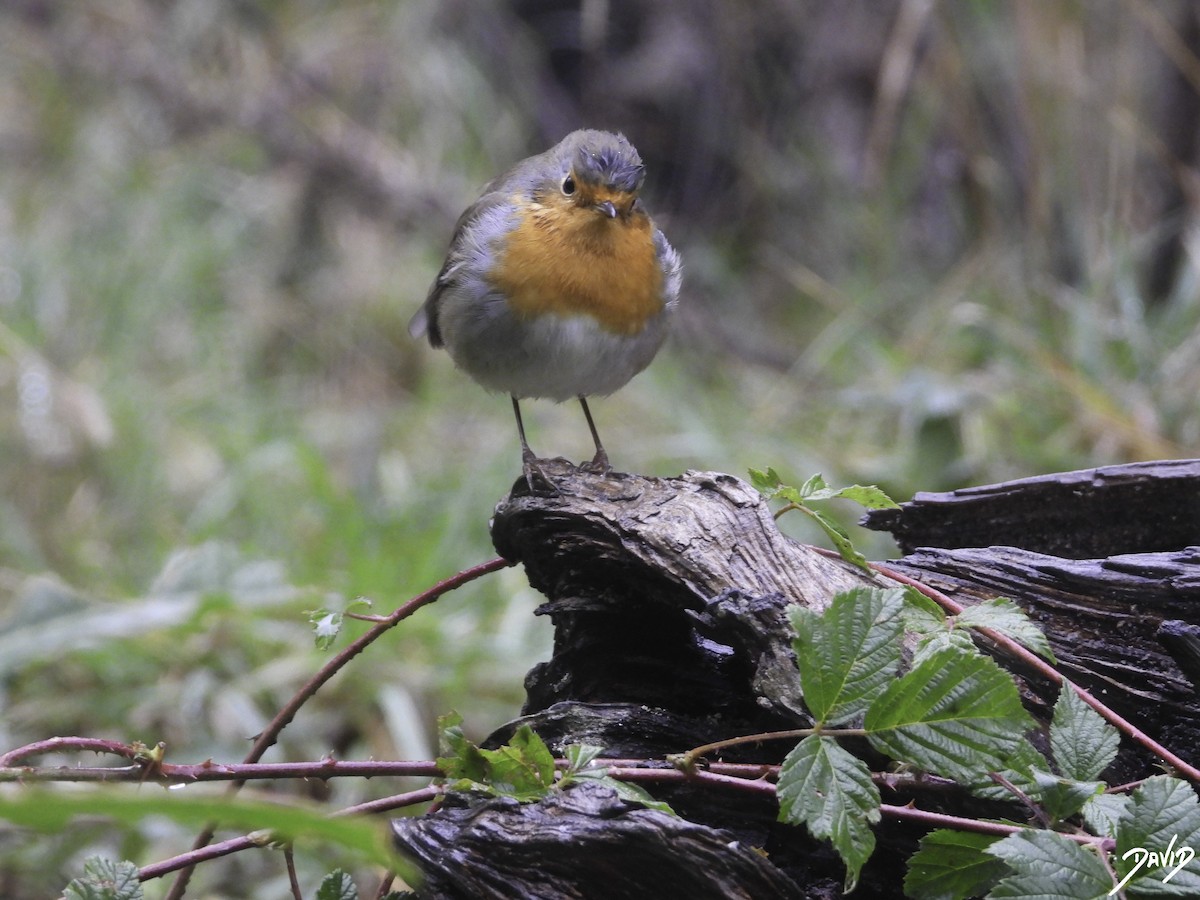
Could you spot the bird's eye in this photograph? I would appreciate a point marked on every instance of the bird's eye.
(568, 186)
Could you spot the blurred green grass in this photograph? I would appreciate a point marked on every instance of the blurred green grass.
(216, 220)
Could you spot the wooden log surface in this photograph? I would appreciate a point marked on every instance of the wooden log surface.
(585, 842)
(669, 600)
(1142, 507)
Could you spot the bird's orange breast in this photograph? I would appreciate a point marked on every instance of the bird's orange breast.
(565, 259)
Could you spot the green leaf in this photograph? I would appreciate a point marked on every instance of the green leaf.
(1047, 866)
(955, 714)
(1083, 744)
(868, 496)
(337, 885)
(460, 760)
(326, 621)
(1163, 818)
(1018, 770)
(1062, 798)
(766, 483)
(956, 640)
(847, 653)
(815, 488)
(326, 627)
(1004, 616)
(105, 879)
(830, 791)
(580, 756)
(1103, 812)
(952, 865)
(922, 615)
(631, 793)
(523, 768)
(51, 811)
(839, 537)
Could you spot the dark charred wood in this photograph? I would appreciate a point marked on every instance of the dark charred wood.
(669, 601)
(1143, 507)
(586, 842)
(1123, 627)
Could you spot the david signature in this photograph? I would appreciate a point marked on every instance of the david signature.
(1143, 858)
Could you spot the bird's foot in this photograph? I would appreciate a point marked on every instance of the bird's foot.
(599, 464)
(535, 478)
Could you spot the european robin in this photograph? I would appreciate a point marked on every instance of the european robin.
(557, 284)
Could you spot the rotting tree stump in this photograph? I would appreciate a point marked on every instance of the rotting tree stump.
(669, 597)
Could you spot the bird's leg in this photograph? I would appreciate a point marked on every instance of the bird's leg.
(600, 460)
(529, 462)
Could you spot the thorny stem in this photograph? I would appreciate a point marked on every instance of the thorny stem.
(904, 813)
(1036, 811)
(194, 857)
(688, 760)
(747, 777)
(50, 745)
(284, 717)
(172, 773)
(1043, 668)
(290, 862)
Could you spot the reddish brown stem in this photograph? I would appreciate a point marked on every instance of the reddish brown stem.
(1044, 668)
(284, 717)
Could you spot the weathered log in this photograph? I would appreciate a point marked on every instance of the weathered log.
(585, 842)
(1142, 507)
(669, 598)
(1126, 623)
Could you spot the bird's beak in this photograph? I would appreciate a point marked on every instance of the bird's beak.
(608, 208)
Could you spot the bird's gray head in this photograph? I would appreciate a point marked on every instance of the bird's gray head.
(603, 159)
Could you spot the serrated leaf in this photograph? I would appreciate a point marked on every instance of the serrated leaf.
(766, 483)
(523, 768)
(936, 641)
(839, 537)
(1062, 798)
(580, 756)
(955, 714)
(1002, 615)
(847, 653)
(337, 885)
(921, 615)
(1163, 818)
(816, 488)
(1047, 866)
(1103, 812)
(105, 879)
(327, 620)
(326, 627)
(830, 791)
(868, 496)
(952, 865)
(627, 791)
(1018, 771)
(460, 759)
(1082, 743)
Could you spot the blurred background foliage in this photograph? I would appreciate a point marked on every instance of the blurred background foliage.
(926, 245)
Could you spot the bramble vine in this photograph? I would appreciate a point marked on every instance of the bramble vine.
(897, 666)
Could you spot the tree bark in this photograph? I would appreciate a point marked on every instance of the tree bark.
(669, 600)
